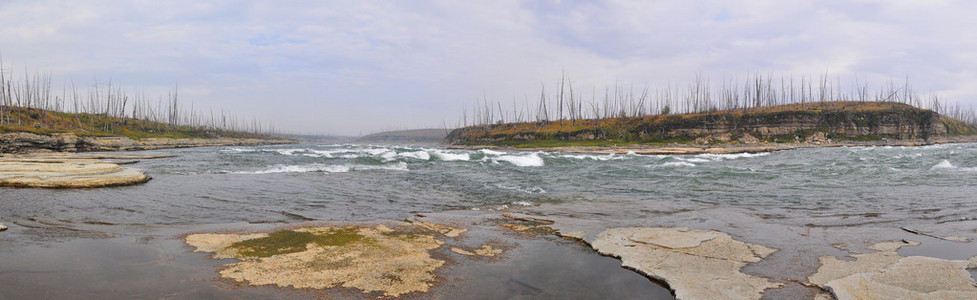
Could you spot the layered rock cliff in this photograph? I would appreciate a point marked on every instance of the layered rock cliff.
(785, 123)
(23, 142)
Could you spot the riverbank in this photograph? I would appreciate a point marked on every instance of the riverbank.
(787, 126)
(720, 148)
(24, 142)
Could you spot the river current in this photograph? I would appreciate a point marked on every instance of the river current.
(841, 186)
(127, 242)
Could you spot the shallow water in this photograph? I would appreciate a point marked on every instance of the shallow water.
(818, 187)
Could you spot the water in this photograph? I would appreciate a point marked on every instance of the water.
(205, 189)
(286, 183)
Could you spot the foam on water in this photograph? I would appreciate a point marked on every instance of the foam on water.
(945, 164)
(448, 156)
(289, 152)
(528, 190)
(695, 159)
(491, 152)
(594, 157)
(421, 155)
(300, 169)
(678, 164)
(717, 157)
(400, 166)
(530, 160)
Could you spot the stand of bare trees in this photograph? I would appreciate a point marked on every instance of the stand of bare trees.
(700, 96)
(108, 99)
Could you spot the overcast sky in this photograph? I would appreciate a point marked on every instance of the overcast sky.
(354, 67)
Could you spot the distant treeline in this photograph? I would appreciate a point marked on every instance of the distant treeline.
(564, 102)
(108, 101)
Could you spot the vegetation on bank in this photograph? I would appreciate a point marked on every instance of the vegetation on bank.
(29, 103)
(745, 110)
(837, 120)
(46, 122)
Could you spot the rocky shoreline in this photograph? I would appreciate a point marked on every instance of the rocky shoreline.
(42, 161)
(738, 262)
(722, 147)
(23, 142)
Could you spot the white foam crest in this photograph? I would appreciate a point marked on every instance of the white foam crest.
(321, 153)
(401, 166)
(945, 164)
(522, 203)
(388, 156)
(695, 159)
(717, 157)
(374, 151)
(448, 156)
(491, 152)
(301, 169)
(528, 190)
(421, 155)
(237, 150)
(530, 160)
(288, 152)
(607, 157)
(678, 164)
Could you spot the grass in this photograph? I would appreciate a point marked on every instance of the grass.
(956, 127)
(46, 122)
(289, 241)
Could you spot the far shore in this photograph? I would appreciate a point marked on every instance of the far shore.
(23, 142)
(718, 148)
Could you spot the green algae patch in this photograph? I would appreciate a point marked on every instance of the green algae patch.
(392, 261)
(288, 241)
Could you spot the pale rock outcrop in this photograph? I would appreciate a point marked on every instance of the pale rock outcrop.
(68, 174)
(696, 264)
(393, 260)
(887, 275)
(67, 170)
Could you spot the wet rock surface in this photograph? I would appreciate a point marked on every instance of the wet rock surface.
(696, 264)
(393, 260)
(802, 251)
(887, 275)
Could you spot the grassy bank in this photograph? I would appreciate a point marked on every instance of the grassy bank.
(39, 121)
(788, 123)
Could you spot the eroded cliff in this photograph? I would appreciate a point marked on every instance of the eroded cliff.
(811, 122)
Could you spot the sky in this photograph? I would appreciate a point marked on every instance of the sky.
(356, 67)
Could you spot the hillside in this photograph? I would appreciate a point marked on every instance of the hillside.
(32, 129)
(413, 136)
(46, 122)
(811, 122)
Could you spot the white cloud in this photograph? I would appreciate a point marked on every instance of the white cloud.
(356, 66)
